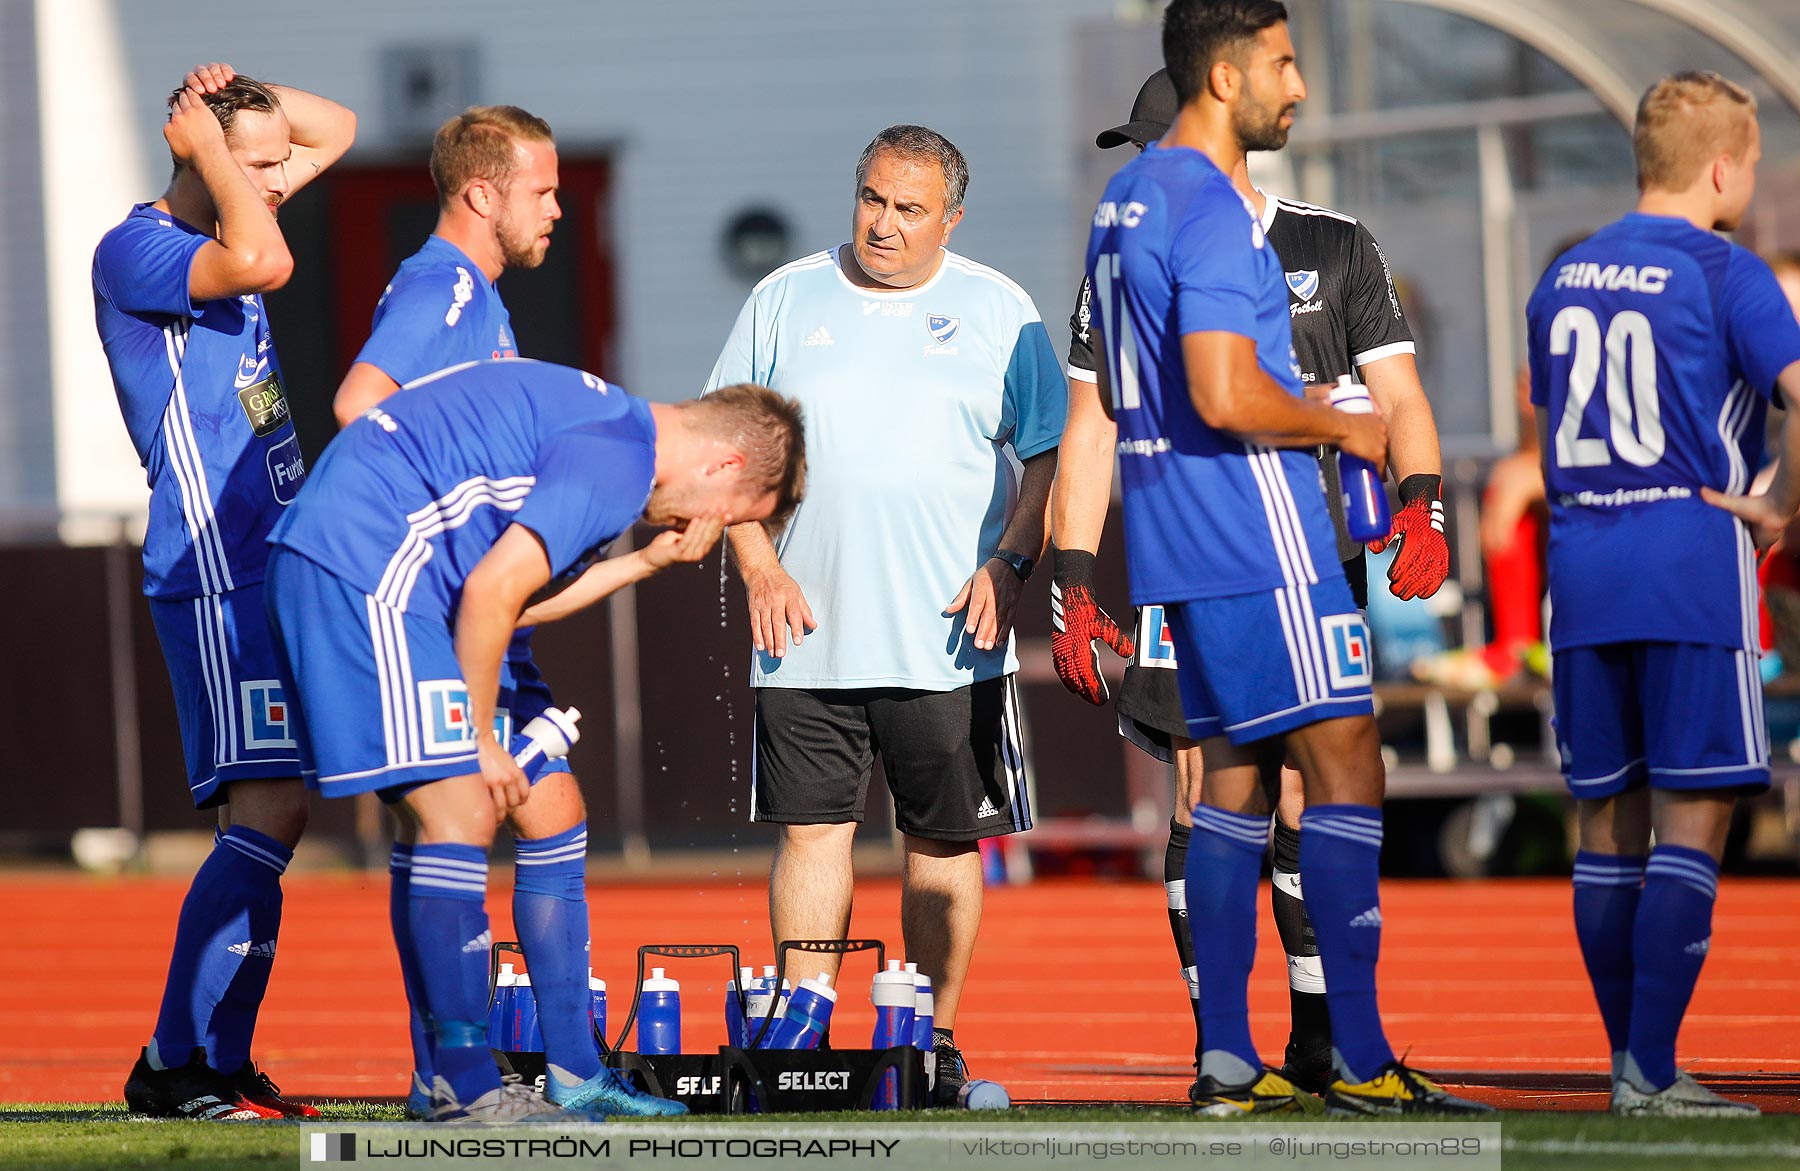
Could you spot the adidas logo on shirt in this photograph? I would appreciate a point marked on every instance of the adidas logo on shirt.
(1698, 948)
(1369, 918)
(819, 337)
(262, 951)
(987, 808)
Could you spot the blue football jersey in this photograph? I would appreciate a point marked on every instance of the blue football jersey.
(1655, 348)
(412, 495)
(439, 310)
(1175, 250)
(202, 396)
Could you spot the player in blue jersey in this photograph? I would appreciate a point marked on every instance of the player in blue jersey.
(475, 501)
(923, 375)
(178, 300)
(1656, 347)
(1226, 528)
(496, 177)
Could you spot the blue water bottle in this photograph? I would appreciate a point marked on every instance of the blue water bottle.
(500, 1011)
(736, 1026)
(894, 995)
(1366, 513)
(597, 999)
(528, 1035)
(659, 1015)
(808, 1015)
(756, 1004)
(923, 1010)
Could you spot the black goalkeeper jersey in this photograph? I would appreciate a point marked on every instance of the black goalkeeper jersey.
(1342, 304)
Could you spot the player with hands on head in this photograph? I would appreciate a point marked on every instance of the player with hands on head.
(178, 303)
(1346, 318)
(482, 498)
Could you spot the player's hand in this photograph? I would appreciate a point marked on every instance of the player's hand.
(209, 78)
(1422, 562)
(192, 127)
(1079, 624)
(506, 781)
(688, 546)
(990, 596)
(777, 608)
(1366, 437)
(1765, 521)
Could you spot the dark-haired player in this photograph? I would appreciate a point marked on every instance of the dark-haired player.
(178, 301)
(1346, 318)
(1226, 529)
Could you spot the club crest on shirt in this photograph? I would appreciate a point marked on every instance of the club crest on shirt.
(1304, 283)
(942, 328)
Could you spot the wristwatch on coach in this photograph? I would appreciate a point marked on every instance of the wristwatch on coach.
(1021, 564)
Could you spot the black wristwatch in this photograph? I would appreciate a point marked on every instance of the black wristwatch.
(1021, 564)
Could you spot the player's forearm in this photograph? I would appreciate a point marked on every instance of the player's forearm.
(1231, 393)
(320, 129)
(1784, 489)
(1026, 531)
(1393, 383)
(600, 581)
(259, 258)
(365, 386)
(484, 628)
(1084, 471)
(754, 551)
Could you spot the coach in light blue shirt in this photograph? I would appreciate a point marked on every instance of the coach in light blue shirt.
(882, 615)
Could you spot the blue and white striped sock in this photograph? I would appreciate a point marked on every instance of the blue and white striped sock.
(400, 916)
(1340, 870)
(1669, 941)
(1607, 887)
(450, 934)
(550, 911)
(1224, 861)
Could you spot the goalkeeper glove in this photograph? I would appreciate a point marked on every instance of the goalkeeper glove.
(1079, 623)
(1423, 560)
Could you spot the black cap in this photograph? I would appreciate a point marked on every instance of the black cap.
(1150, 115)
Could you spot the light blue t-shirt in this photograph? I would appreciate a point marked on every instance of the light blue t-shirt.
(911, 398)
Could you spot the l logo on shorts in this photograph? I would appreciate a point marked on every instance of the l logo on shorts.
(1346, 651)
(445, 705)
(1156, 644)
(265, 714)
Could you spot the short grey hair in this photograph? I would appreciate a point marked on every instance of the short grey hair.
(921, 142)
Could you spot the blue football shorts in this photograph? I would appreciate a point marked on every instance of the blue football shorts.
(379, 703)
(1258, 665)
(228, 695)
(1673, 715)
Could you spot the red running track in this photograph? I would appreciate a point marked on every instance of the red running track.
(1074, 994)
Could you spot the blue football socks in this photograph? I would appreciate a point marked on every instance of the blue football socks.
(1340, 866)
(224, 951)
(1607, 887)
(1669, 942)
(1224, 862)
(450, 935)
(400, 915)
(550, 912)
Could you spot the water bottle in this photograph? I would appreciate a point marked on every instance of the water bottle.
(894, 995)
(736, 1026)
(1366, 514)
(528, 1035)
(500, 1011)
(981, 1094)
(808, 1015)
(923, 1006)
(659, 1015)
(756, 1005)
(597, 998)
(552, 734)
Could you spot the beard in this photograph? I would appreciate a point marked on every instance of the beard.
(1259, 127)
(521, 249)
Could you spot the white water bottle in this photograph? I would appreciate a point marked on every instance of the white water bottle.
(551, 735)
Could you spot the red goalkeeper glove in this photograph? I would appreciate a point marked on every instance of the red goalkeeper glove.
(1079, 624)
(1423, 560)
